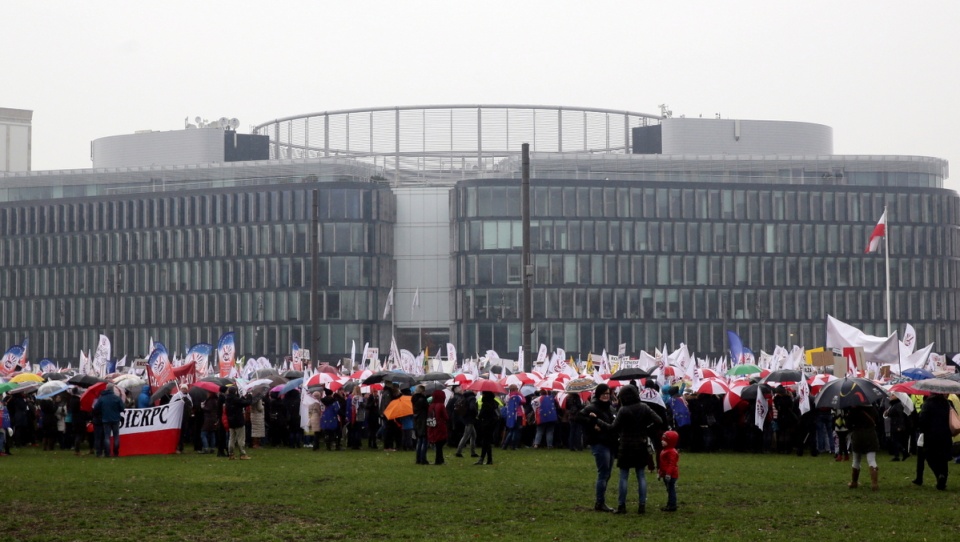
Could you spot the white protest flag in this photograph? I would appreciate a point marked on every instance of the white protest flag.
(803, 396)
(416, 301)
(388, 305)
(882, 350)
(909, 343)
(760, 412)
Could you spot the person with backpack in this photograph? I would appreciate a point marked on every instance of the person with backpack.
(545, 408)
(466, 410)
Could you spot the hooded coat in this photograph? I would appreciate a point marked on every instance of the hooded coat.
(438, 411)
(602, 419)
(634, 423)
(669, 456)
(109, 406)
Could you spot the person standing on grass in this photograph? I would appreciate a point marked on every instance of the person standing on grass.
(330, 420)
(314, 413)
(420, 408)
(670, 468)
(899, 429)
(937, 440)
(437, 429)
(634, 422)
(466, 410)
(4, 426)
(861, 422)
(545, 407)
(258, 429)
(373, 418)
(238, 436)
(513, 418)
(110, 407)
(488, 419)
(596, 419)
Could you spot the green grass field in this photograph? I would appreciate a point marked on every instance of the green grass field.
(286, 494)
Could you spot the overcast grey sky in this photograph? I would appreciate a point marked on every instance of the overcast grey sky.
(881, 73)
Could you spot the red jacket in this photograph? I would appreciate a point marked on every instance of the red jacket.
(438, 411)
(669, 456)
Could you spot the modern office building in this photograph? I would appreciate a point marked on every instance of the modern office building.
(645, 230)
(16, 135)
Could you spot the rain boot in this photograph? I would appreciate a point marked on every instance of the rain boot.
(621, 509)
(854, 477)
(874, 475)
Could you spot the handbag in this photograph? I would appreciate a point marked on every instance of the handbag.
(954, 422)
(431, 421)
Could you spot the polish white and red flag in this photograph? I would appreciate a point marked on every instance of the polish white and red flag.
(879, 232)
(150, 431)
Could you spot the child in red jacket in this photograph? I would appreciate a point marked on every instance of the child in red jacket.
(670, 468)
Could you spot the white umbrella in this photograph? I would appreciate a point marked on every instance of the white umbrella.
(49, 389)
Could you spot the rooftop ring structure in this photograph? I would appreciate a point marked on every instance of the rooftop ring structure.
(435, 141)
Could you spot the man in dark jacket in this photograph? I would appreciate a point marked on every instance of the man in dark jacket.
(596, 419)
(466, 410)
(235, 405)
(109, 407)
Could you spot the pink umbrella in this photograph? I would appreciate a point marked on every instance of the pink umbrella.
(276, 389)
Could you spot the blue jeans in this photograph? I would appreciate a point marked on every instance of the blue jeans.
(625, 478)
(576, 436)
(546, 427)
(671, 492)
(604, 459)
(209, 439)
(422, 450)
(111, 429)
(513, 437)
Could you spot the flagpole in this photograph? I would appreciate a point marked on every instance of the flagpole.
(886, 255)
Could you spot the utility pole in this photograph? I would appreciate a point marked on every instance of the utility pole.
(527, 324)
(315, 280)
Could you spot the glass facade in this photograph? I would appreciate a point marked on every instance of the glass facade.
(649, 263)
(185, 266)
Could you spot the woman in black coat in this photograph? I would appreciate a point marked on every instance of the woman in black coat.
(937, 441)
(597, 419)
(634, 423)
(488, 418)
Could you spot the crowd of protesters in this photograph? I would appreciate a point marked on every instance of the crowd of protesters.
(227, 424)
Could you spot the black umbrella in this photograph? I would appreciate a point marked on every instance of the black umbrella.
(404, 380)
(217, 380)
(433, 386)
(849, 392)
(198, 395)
(375, 378)
(163, 391)
(84, 381)
(54, 376)
(434, 377)
(749, 393)
(629, 373)
(292, 375)
(497, 369)
(784, 375)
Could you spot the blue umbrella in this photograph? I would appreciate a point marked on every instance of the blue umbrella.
(292, 385)
(918, 374)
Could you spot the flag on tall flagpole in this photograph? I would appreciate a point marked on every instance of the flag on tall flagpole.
(879, 232)
(386, 307)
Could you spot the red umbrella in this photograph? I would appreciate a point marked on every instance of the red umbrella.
(321, 379)
(907, 387)
(712, 387)
(209, 386)
(328, 369)
(91, 395)
(482, 384)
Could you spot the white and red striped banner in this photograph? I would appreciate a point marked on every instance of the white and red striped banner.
(150, 431)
